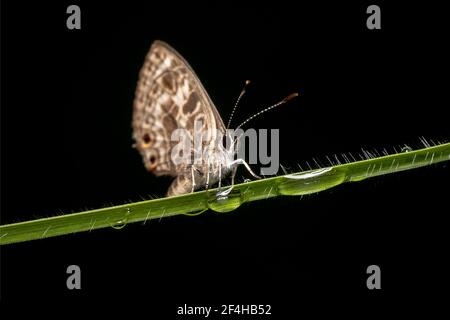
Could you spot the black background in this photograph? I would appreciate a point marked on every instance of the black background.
(66, 146)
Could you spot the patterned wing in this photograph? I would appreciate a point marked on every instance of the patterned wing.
(168, 96)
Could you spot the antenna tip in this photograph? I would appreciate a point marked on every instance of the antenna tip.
(291, 96)
(247, 82)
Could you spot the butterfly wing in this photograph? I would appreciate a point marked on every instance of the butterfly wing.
(169, 96)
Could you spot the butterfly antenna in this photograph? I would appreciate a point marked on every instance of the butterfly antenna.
(289, 97)
(247, 82)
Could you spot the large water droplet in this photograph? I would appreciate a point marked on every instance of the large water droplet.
(311, 181)
(221, 202)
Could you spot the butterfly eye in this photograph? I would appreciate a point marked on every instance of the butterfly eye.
(152, 159)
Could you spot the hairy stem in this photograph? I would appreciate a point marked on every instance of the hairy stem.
(292, 184)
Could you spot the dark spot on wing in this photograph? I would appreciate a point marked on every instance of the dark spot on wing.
(146, 139)
(169, 123)
(168, 82)
(153, 162)
(190, 105)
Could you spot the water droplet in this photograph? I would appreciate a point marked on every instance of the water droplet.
(223, 202)
(119, 224)
(407, 149)
(193, 214)
(311, 182)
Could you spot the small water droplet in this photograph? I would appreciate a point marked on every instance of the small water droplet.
(193, 214)
(119, 224)
(407, 149)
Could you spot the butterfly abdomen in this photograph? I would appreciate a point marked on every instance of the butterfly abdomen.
(181, 185)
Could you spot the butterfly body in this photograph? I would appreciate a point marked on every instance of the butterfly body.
(217, 165)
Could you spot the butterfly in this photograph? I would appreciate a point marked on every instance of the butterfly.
(169, 96)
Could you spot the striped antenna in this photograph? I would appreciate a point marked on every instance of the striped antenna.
(247, 82)
(289, 97)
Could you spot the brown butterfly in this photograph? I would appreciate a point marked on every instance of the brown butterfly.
(170, 96)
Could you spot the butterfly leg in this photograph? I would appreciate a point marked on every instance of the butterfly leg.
(234, 165)
(193, 179)
(220, 178)
(207, 176)
(225, 193)
(233, 174)
(237, 162)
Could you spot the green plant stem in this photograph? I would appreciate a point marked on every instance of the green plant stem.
(293, 184)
